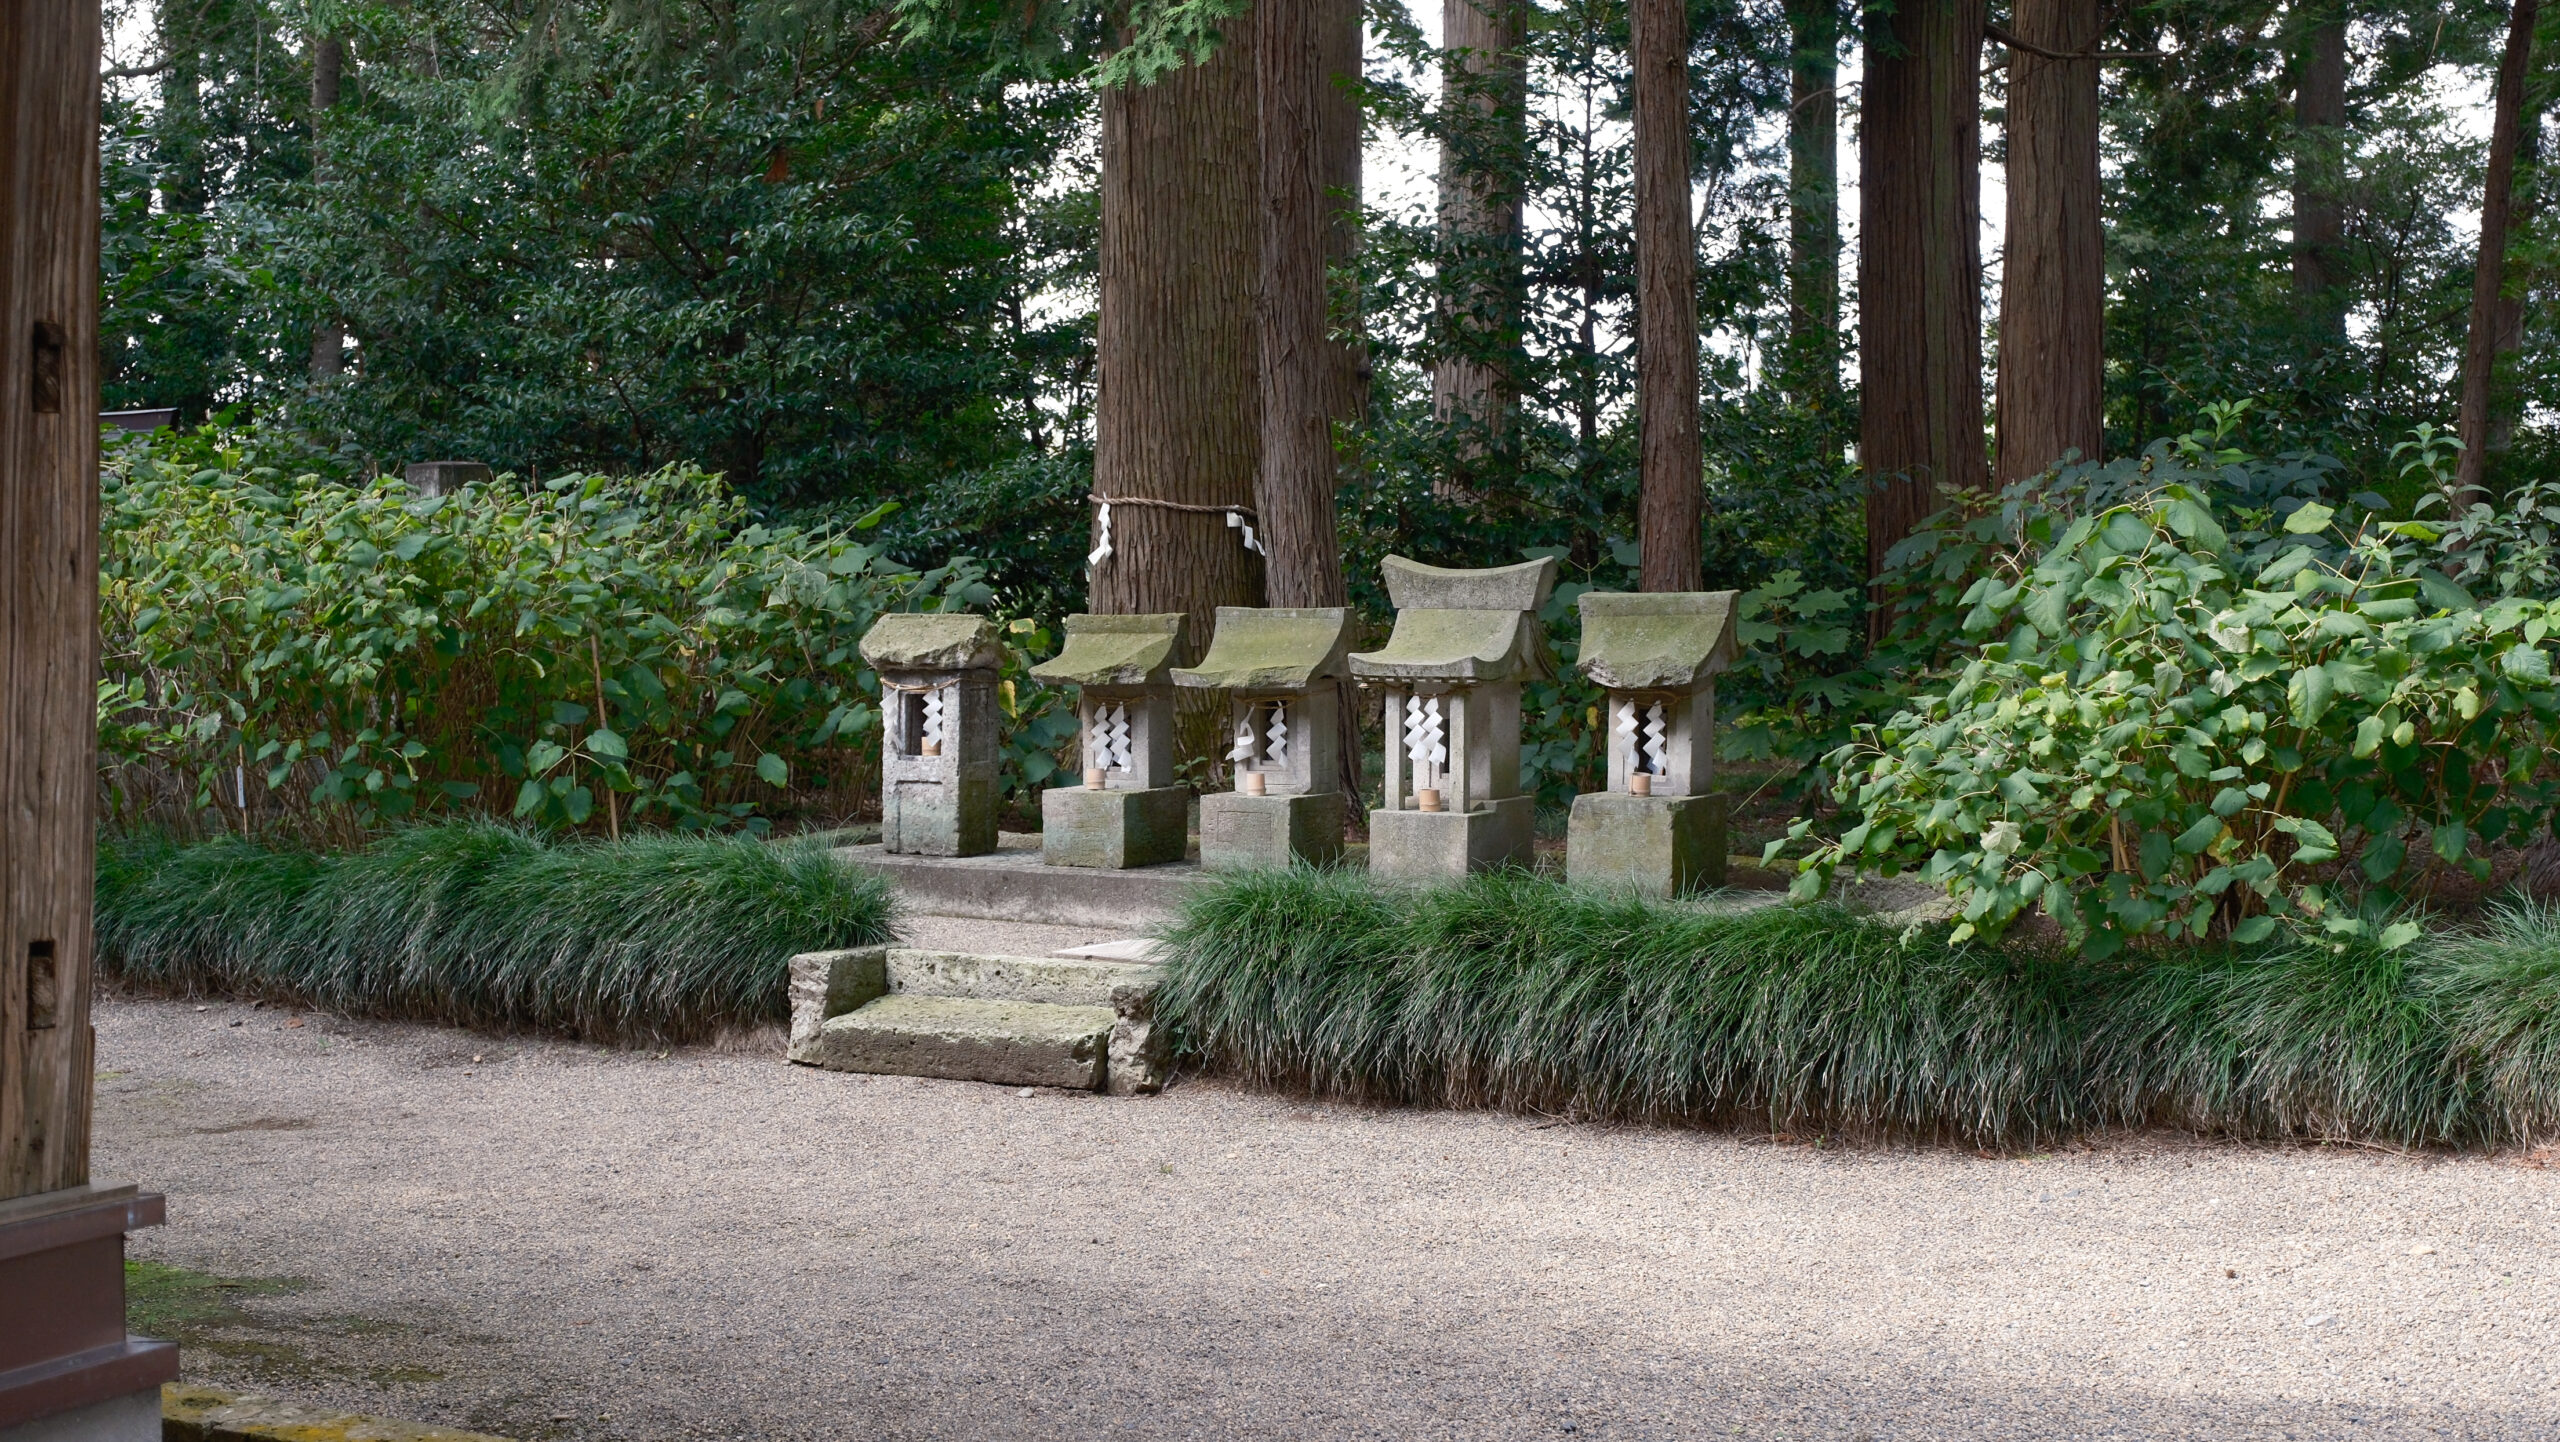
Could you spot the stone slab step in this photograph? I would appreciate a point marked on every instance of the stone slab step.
(1054, 981)
(1014, 1043)
(1012, 883)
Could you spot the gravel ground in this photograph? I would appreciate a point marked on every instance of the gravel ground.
(550, 1240)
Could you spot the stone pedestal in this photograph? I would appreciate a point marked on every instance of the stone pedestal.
(1446, 845)
(1114, 829)
(1660, 845)
(1238, 832)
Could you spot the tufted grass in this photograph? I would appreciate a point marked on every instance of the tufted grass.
(659, 938)
(1524, 994)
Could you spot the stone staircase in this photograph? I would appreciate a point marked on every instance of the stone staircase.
(1080, 1022)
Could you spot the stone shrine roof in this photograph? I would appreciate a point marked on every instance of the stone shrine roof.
(1658, 641)
(1115, 651)
(1430, 645)
(931, 641)
(1413, 586)
(1272, 649)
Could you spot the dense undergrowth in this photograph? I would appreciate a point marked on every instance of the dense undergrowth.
(1523, 994)
(660, 938)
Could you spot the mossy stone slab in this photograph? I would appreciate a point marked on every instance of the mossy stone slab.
(1411, 585)
(931, 641)
(1115, 651)
(1272, 648)
(1457, 646)
(1658, 641)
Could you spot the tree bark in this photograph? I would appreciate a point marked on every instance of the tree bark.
(1295, 490)
(1671, 503)
(1919, 269)
(2319, 170)
(1176, 405)
(328, 61)
(2505, 406)
(2053, 281)
(1813, 204)
(2489, 275)
(1338, 139)
(1484, 93)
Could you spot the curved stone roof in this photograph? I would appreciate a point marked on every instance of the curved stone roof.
(931, 641)
(1656, 641)
(1266, 648)
(1413, 586)
(1115, 651)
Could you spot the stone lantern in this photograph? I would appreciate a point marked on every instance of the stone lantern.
(1659, 827)
(1127, 812)
(938, 703)
(1282, 671)
(1463, 643)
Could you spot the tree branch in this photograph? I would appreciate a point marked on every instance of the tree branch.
(136, 72)
(2002, 35)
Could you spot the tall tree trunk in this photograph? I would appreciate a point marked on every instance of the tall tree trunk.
(1919, 269)
(1176, 402)
(1295, 488)
(1339, 45)
(2489, 274)
(328, 61)
(1671, 503)
(1813, 205)
(2053, 282)
(2505, 406)
(2319, 169)
(1480, 221)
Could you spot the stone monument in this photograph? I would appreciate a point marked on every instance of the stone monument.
(1127, 812)
(1463, 643)
(1281, 669)
(938, 703)
(1659, 828)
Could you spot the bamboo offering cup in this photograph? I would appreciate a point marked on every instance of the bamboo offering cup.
(1640, 783)
(1256, 784)
(1093, 778)
(1426, 799)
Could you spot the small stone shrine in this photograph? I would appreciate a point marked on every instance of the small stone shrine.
(1451, 671)
(1281, 669)
(1127, 812)
(1660, 827)
(938, 751)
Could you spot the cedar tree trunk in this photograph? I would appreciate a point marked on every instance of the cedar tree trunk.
(1296, 484)
(1813, 204)
(1671, 503)
(2319, 170)
(1484, 93)
(328, 59)
(1919, 269)
(2053, 283)
(2489, 276)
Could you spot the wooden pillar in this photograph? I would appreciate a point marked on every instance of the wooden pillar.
(65, 1361)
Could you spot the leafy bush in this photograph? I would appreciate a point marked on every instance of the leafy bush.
(2198, 708)
(334, 655)
(1520, 993)
(663, 938)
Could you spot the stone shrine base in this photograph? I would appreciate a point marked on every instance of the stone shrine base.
(1012, 883)
(1240, 832)
(1114, 830)
(1446, 845)
(1661, 845)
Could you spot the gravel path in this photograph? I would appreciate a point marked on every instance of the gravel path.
(543, 1239)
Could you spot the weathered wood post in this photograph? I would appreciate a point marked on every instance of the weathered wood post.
(67, 1368)
(1659, 827)
(1125, 810)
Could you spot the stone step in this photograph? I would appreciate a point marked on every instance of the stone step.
(1051, 980)
(1013, 1043)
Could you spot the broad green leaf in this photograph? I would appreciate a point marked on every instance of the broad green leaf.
(2310, 516)
(773, 769)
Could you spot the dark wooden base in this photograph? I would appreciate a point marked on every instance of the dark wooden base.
(62, 1337)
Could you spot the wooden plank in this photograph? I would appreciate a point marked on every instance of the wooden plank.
(48, 585)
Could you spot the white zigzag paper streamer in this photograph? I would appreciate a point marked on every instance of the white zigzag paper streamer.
(1425, 737)
(1624, 718)
(1102, 551)
(1243, 749)
(1236, 521)
(1278, 752)
(1656, 729)
(1116, 740)
(932, 719)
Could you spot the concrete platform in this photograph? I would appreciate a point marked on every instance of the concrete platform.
(1014, 884)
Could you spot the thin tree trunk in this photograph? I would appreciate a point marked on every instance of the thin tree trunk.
(1480, 221)
(1296, 485)
(2319, 170)
(1176, 402)
(2053, 282)
(2505, 408)
(1671, 503)
(2489, 275)
(1919, 270)
(328, 60)
(1813, 205)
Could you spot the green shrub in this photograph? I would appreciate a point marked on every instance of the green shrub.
(1514, 992)
(2170, 726)
(335, 655)
(661, 938)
